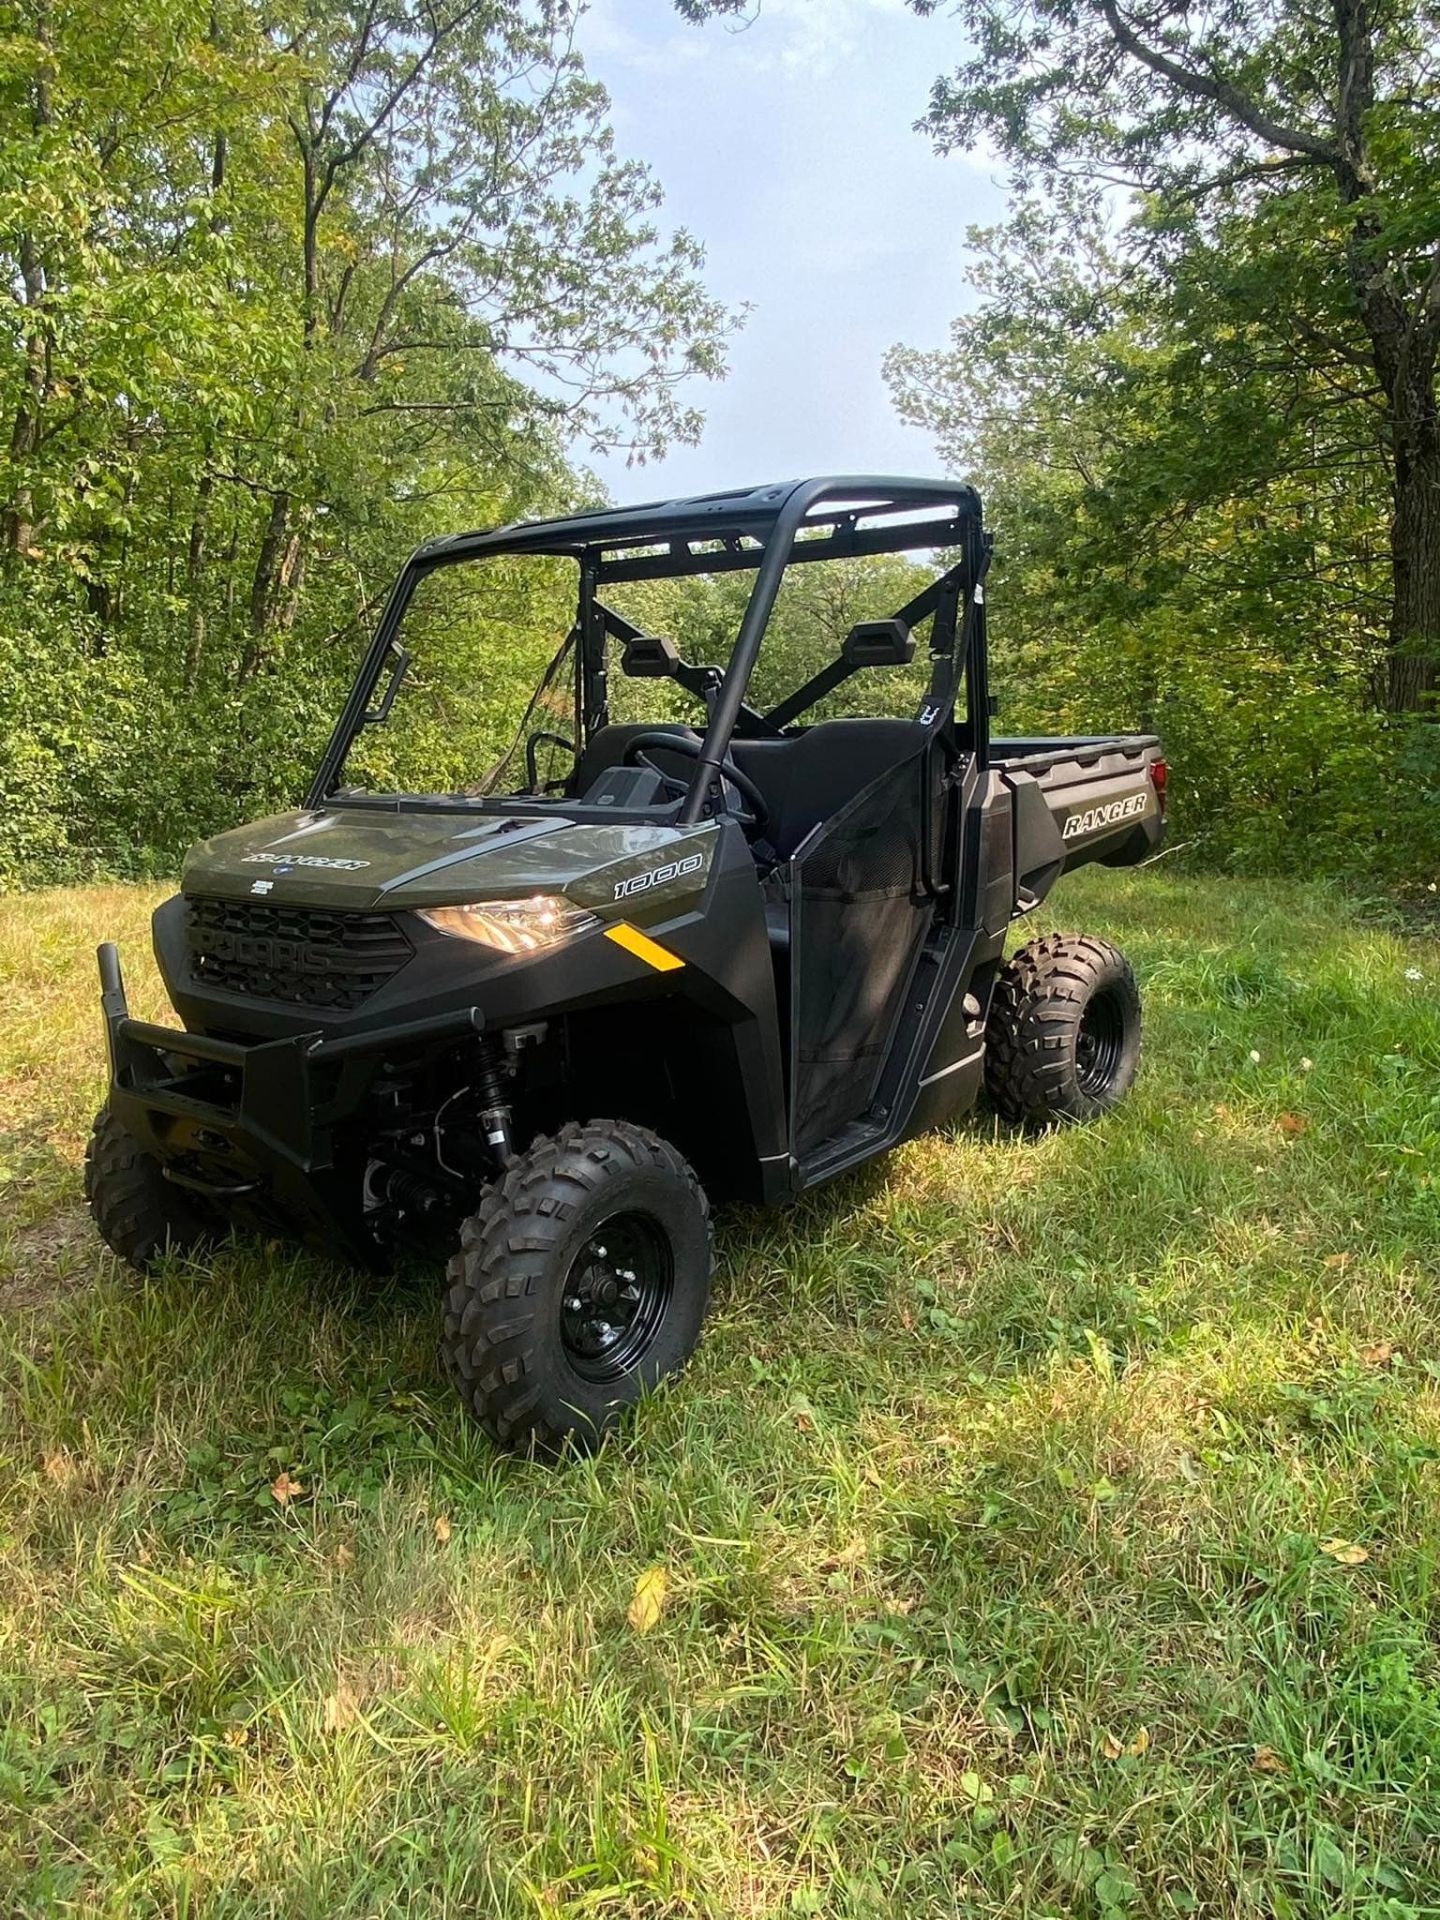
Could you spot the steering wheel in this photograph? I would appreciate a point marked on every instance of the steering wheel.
(689, 746)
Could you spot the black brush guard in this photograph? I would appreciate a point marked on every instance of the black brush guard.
(251, 1127)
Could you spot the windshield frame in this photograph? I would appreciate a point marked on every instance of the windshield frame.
(764, 529)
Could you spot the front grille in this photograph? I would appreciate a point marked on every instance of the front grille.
(305, 955)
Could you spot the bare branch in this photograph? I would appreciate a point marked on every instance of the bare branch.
(1238, 176)
(1240, 107)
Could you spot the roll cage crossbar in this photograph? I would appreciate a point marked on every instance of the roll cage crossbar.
(760, 529)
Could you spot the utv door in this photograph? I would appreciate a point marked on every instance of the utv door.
(862, 898)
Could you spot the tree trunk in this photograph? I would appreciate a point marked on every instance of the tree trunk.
(290, 582)
(279, 579)
(195, 575)
(25, 429)
(231, 553)
(16, 524)
(1414, 650)
(1403, 351)
(262, 585)
(100, 602)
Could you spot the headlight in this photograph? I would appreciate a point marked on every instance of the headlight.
(514, 926)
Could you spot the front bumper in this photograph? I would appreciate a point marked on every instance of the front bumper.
(252, 1126)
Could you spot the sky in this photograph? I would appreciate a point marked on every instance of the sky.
(788, 148)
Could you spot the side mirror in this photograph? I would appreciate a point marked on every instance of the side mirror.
(650, 656)
(879, 643)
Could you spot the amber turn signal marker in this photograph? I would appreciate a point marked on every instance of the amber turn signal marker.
(643, 947)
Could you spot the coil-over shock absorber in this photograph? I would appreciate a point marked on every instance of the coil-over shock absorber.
(491, 1074)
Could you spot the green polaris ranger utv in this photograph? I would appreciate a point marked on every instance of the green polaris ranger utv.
(531, 1019)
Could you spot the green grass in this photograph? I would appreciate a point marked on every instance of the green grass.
(993, 1509)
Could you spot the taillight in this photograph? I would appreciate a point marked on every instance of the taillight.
(1159, 774)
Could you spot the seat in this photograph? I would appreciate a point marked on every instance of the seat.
(806, 777)
(812, 775)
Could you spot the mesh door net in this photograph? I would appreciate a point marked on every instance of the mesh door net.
(861, 911)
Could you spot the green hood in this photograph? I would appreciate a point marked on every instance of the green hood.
(361, 857)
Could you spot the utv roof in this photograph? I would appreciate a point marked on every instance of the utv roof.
(833, 516)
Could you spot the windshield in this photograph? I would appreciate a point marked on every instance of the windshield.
(490, 665)
(817, 605)
(478, 696)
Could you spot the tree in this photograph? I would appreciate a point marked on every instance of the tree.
(1320, 118)
(1330, 110)
(1191, 511)
(459, 201)
(293, 287)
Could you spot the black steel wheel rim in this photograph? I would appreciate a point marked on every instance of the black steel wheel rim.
(1100, 1042)
(615, 1296)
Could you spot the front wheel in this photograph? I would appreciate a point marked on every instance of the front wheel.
(138, 1211)
(581, 1281)
(1062, 1041)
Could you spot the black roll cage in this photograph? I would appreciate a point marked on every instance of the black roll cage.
(763, 529)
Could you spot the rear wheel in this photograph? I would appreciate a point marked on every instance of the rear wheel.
(138, 1211)
(1063, 1038)
(581, 1281)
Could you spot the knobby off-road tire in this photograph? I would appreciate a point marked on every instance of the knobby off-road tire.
(1062, 1041)
(138, 1211)
(581, 1281)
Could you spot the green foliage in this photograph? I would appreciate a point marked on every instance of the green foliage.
(1191, 528)
(1204, 405)
(293, 290)
(1198, 391)
(481, 635)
